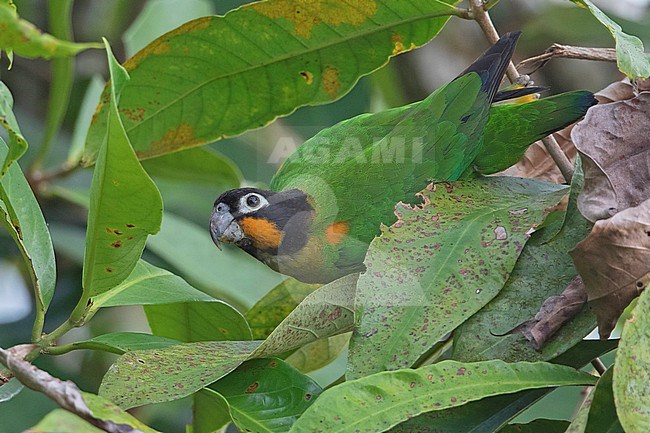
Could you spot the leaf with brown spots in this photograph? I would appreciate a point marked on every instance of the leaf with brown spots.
(125, 205)
(613, 145)
(382, 400)
(632, 370)
(439, 264)
(266, 395)
(305, 52)
(614, 261)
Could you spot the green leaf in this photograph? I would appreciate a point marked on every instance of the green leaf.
(382, 400)
(489, 414)
(21, 214)
(303, 55)
(210, 411)
(121, 342)
(82, 123)
(17, 143)
(269, 311)
(199, 165)
(159, 17)
(537, 426)
(24, 39)
(325, 312)
(60, 420)
(544, 269)
(230, 274)
(440, 264)
(125, 205)
(319, 353)
(598, 412)
(143, 376)
(140, 377)
(630, 56)
(198, 321)
(632, 369)
(150, 285)
(266, 395)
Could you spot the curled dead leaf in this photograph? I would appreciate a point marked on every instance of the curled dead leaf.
(614, 261)
(613, 144)
(553, 314)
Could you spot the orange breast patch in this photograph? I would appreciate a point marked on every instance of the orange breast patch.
(336, 232)
(263, 233)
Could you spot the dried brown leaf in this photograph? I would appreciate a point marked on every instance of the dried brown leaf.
(615, 149)
(553, 314)
(614, 261)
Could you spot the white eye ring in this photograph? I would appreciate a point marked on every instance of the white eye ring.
(252, 202)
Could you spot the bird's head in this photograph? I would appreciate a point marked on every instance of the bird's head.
(261, 222)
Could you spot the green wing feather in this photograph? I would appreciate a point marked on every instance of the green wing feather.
(512, 128)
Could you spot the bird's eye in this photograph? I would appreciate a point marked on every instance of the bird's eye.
(253, 200)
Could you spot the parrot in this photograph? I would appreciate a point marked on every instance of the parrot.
(329, 199)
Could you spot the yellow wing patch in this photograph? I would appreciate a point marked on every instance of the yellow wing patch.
(336, 232)
(263, 233)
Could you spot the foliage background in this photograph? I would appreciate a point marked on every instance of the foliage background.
(131, 24)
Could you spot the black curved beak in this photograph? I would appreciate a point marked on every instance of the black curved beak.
(224, 228)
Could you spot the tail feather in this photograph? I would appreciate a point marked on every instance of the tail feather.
(509, 94)
(492, 64)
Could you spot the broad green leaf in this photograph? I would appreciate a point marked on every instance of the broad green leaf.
(60, 420)
(125, 205)
(108, 411)
(82, 123)
(537, 426)
(143, 376)
(266, 395)
(21, 214)
(598, 412)
(210, 411)
(325, 312)
(121, 342)
(230, 274)
(439, 264)
(269, 311)
(24, 39)
(229, 82)
(630, 56)
(150, 285)
(17, 143)
(198, 165)
(197, 321)
(489, 414)
(602, 412)
(319, 353)
(382, 400)
(544, 269)
(159, 17)
(632, 370)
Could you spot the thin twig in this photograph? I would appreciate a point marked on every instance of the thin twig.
(559, 157)
(532, 64)
(483, 19)
(599, 366)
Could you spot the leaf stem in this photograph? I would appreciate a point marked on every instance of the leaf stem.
(599, 366)
(552, 147)
(39, 321)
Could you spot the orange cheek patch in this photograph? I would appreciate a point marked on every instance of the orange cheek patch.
(336, 232)
(263, 233)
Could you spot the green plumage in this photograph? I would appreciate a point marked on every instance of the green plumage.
(355, 172)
